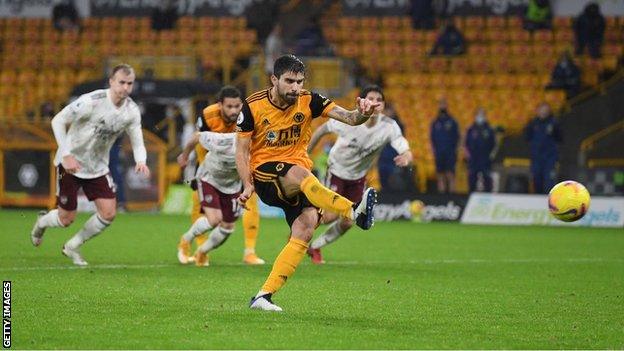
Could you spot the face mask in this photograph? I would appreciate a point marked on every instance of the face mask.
(480, 119)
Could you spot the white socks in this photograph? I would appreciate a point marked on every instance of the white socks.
(216, 238)
(330, 235)
(201, 225)
(50, 220)
(92, 227)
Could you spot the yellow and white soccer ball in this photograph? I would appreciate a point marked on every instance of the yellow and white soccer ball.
(568, 201)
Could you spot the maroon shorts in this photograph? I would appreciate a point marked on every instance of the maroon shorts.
(67, 186)
(351, 189)
(209, 196)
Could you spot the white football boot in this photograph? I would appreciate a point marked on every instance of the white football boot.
(75, 256)
(36, 234)
(264, 303)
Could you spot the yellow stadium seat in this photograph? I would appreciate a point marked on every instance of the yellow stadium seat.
(477, 22)
(562, 22)
(542, 36)
(459, 65)
(564, 36)
(519, 35)
(497, 22)
(186, 23)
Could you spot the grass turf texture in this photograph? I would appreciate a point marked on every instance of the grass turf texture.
(400, 285)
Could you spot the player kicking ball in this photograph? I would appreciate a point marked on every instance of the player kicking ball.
(218, 188)
(272, 160)
(85, 131)
(350, 159)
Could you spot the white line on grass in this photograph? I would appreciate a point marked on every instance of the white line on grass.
(335, 263)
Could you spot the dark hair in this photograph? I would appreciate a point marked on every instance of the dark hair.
(288, 63)
(372, 87)
(124, 67)
(228, 91)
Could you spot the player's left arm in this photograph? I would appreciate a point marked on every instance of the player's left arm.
(365, 109)
(188, 148)
(138, 147)
(401, 145)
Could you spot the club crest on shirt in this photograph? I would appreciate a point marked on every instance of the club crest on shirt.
(271, 136)
(298, 117)
(279, 167)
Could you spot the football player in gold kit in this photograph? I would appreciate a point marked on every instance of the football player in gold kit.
(221, 117)
(272, 160)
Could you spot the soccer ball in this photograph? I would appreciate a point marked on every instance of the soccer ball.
(568, 201)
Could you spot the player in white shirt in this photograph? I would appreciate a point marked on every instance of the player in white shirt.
(95, 120)
(350, 159)
(218, 187)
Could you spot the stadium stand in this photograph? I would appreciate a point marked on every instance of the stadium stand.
(505, 70)
(40, 64)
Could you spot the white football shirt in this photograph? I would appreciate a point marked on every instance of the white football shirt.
(94, 125)
(219, 166)
(357, 146)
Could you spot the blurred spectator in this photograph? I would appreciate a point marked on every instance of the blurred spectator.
(422, 13)
(386, 166)
(165, 15)
(262, 15)
(273, 48)
(538, 15)
(65, 16)
(450, 41)
(117, 171)
(47, 110)
(444, 139)
(589, 29)
(310, 40)
(566, 75)
(543, 134)
(480, 145)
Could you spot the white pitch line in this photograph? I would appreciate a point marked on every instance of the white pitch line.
(335, 263)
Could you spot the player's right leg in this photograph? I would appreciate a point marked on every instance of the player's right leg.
(209, 199)
(300, 179)
(196, 213)
(96, 224)
(67, 201)
(210, 220)
(217, 237)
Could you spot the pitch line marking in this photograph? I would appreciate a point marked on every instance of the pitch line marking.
(336, 263)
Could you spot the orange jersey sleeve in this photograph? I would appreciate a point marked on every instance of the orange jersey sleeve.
(281, 134)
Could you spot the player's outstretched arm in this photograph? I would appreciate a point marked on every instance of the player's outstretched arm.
(138, 149)
(365, 109)
(322, 130)
(188, 148)
(404, 159)
(242, 165)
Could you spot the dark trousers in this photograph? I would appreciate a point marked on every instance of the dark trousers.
(544, 175)
(116, 172)
(473, 176)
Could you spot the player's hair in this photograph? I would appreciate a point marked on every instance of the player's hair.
(372, 87)
(124, 67)
(288, 63)
(228, 91)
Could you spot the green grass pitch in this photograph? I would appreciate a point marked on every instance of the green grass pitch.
(398, 286)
